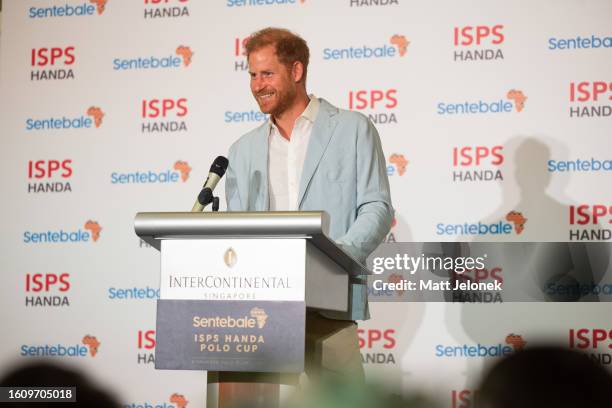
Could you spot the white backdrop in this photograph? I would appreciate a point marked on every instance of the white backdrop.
(106, 288)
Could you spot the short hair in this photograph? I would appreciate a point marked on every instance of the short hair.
(289, 47)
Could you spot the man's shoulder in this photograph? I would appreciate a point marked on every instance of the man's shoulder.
(343, 115)
(246, 141)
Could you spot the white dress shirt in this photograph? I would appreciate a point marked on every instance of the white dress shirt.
(286, 159)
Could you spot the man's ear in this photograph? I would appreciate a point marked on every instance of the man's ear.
(297, 71)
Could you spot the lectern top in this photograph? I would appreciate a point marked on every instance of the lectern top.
(153, 227)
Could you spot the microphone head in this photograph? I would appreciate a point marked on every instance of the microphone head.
(205, 197)
(219, 166)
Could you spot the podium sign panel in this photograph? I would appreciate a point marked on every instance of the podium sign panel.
(233, 269)
(222, 335)
(231, 305)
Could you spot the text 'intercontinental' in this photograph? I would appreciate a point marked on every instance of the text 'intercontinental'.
(229, 282)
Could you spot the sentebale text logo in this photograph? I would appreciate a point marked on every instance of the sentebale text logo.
(182, 57)
(397, 46)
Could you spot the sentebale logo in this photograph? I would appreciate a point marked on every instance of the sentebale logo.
(68, 122)
(514, 98)
(68, 10)
(179, 400)
(93, 343)
(515, 222)
(89, 345)
(92, 232)
(260, 315)
(518, 220)
(182, 56)
(96, 114)
(398, 164)
(180, 170)
(94, 228)
(516, 341)
(397, 45)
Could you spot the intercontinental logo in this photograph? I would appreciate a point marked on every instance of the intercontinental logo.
(230, 258)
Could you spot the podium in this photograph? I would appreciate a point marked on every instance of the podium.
(234, 289)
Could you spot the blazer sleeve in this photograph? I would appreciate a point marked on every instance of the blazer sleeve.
(374, 212)
(232, 197)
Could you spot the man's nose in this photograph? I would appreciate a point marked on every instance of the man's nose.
(257, 84)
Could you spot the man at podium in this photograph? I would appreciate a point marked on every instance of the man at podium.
(310, 155)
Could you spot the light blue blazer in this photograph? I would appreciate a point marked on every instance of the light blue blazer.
(344, 174)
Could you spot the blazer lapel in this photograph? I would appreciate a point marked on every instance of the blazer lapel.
(258, 183)
(322, 131)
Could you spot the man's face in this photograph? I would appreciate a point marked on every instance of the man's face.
(272, 84)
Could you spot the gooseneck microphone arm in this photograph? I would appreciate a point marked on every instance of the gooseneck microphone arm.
(217, 170)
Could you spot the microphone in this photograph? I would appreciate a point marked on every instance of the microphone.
(217, 170)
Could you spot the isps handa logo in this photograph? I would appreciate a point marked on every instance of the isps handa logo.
(181, 57)
(53, 63)
(175, 400)
(154, 9)
(397, 165)
(69, 10)
(514, 222)
(88, 347)
(596, 342)
(397, 45)
(512, 343)
(92, 117)
(164, 115)
(50, 176)
(379, 104)
(377, 346)
(179, 172)
(146, 347)
(590, 222)
(590, 99)
(90, 232)
(47, 289)
(478, 43)
(477, 163)
(514, 101)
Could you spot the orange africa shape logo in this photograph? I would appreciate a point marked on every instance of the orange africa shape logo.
(96, 114)
(186, 53)
(94, 228)
(516, 341)
(100, 5)
(260, 315)
(518, 97)
(400, 162)
(401, 43)
(93, 344)
(184, 168)
(517, 219)
(179, 400)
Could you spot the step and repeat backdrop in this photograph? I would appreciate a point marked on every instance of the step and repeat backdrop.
(495, 119)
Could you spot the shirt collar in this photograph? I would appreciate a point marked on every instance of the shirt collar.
(310, 113)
